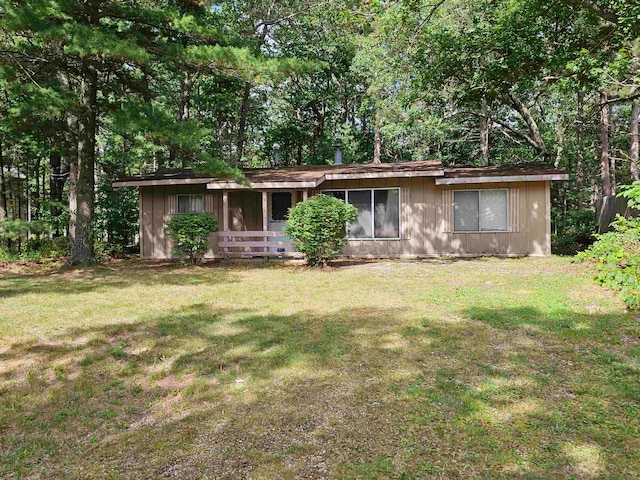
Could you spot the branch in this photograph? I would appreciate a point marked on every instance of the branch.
(599, 11)
(630, 98)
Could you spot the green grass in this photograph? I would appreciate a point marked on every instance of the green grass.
(485, 368)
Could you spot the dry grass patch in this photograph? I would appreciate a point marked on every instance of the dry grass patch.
(439, 369)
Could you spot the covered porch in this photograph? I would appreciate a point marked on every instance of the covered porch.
(251, 222)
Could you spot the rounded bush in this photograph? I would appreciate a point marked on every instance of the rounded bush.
(190, 231)
(318, 227)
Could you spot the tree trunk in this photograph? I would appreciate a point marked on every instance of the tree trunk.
(81, 191)
(242, 124)
(377, 144)
(3, 191)
(36, 174)
(56, 185)
(377, 136)
(185, 103)
(525, 113)
(299, 153)
(580, 152)
(634, 142)
(183, 113)
(604, 145)
(148, 98)
(484, 132)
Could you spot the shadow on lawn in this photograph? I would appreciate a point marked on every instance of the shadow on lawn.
(65, 281)
(355, 393)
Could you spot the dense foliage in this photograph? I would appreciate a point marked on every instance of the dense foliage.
(96, 90)
(616, 254)
(190, 232)
(318, 227)
(575, 229)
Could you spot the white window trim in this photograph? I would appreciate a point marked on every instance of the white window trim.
(479, 190)
(373, 229)
(189, 195)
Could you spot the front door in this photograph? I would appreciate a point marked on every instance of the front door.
(279, 207)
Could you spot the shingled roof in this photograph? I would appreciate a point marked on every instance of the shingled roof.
(506, 173)
(312, 176)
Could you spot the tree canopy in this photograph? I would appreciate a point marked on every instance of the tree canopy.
(94, 90)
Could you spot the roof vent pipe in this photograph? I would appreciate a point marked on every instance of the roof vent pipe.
(337, 155)
(276, 155)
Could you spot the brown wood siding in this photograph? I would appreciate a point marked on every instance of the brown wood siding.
(426, 221)
(157, 205)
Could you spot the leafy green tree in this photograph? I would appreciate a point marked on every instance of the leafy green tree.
(102, 57)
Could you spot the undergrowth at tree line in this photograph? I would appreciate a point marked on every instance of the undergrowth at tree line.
(616, 254)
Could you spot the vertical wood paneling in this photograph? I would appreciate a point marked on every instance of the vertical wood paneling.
(503, 241)
(430, 217)
(172, 203)
(547, 216)
(158, 203)
(537, 231)
(170, 209)
(474, 243)
(426, 219)
(142, 218)
(208, 203)
(447, 211)
(514, 209)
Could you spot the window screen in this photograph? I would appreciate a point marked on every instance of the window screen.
(378, 212)
(280, 205)
(465, 211)
(361, 227)
(190, 203)
(493, 210)
(386, 204)
(480, 211)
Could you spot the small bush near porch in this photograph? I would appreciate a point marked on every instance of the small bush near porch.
(318, 227)
(481, 368)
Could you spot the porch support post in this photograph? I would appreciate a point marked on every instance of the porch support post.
(294, 198)
(265, 217)
(305, 194)
(225, 215)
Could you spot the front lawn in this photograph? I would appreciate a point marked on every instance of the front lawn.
(438, 369)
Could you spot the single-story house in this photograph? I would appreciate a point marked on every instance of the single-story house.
(405, 210)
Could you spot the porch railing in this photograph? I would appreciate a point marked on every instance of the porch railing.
(256, 243)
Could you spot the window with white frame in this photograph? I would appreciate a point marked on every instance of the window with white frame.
(480, 211)
(378, 212)
(191, 203)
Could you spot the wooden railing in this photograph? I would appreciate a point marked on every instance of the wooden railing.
(229, 240)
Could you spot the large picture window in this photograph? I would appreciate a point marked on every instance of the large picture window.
(191, 203)
(378, 212)
(480, 211)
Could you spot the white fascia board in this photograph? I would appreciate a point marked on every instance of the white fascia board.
(502, 179)
(154, 183)
(373, 175)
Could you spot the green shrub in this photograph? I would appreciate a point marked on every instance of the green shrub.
(616, 254)
(5, 255)
(190, 232)
(575, 232)
(318, 227)
(39, 249)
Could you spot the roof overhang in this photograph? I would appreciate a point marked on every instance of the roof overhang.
(226, 185)
(156, 183)
(502, 179)
(289, 180)
(390, 174)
